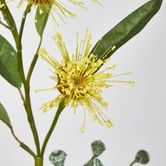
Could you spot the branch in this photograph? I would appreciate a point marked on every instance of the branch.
(23, 145)
(3, 24)
(33, 63)
(54, 122)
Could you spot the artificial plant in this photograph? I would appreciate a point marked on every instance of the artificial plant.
(79, 77)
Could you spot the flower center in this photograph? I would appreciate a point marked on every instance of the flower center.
(77, 80)
(71, 83)
(42, 2)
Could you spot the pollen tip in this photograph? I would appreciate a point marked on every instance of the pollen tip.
(113, 48)
(132, 83)
(109, 124)
(82, 129)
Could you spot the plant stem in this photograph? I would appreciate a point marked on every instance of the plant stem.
(19, 44)
(31, 121)
(93, 157)
(26, 82)
(22, 144)
(3, 24)
(132, 163)
(27, 102)
(18, 41)
(91, 160)
(39, 161)
(21, 94)
(34, 61)
(54, 122)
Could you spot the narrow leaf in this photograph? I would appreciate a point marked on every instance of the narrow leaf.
(126, 29)
(9, 19)
(41, 18)
(4, 116)
(8, 63)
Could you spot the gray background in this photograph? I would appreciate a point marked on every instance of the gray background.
(138, 112)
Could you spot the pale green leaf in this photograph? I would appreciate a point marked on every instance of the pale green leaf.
(42, 14)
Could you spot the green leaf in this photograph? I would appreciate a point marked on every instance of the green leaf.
(142, 157)
(9, 20)
(126, 29)
(57, 157)
(41, 18)
(4, 116)
(8, 63)
(97, 147)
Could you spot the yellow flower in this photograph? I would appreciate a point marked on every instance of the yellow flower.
(58, 8)
(79, 79)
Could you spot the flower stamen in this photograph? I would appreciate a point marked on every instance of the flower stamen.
(80, 80)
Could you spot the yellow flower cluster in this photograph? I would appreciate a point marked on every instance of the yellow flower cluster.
(79, 79)
(58, 8)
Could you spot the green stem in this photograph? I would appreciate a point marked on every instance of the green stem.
(18, 41)
(22, 96)
(3, 24)
(27, 102)
(36, 56)
(39, 161)
(19, 44)
(31, 120)
(22, 144)
(93, 157)
(132, 163)
(91, 160)
(54, 122)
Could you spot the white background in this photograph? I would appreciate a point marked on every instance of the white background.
(138, 112)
